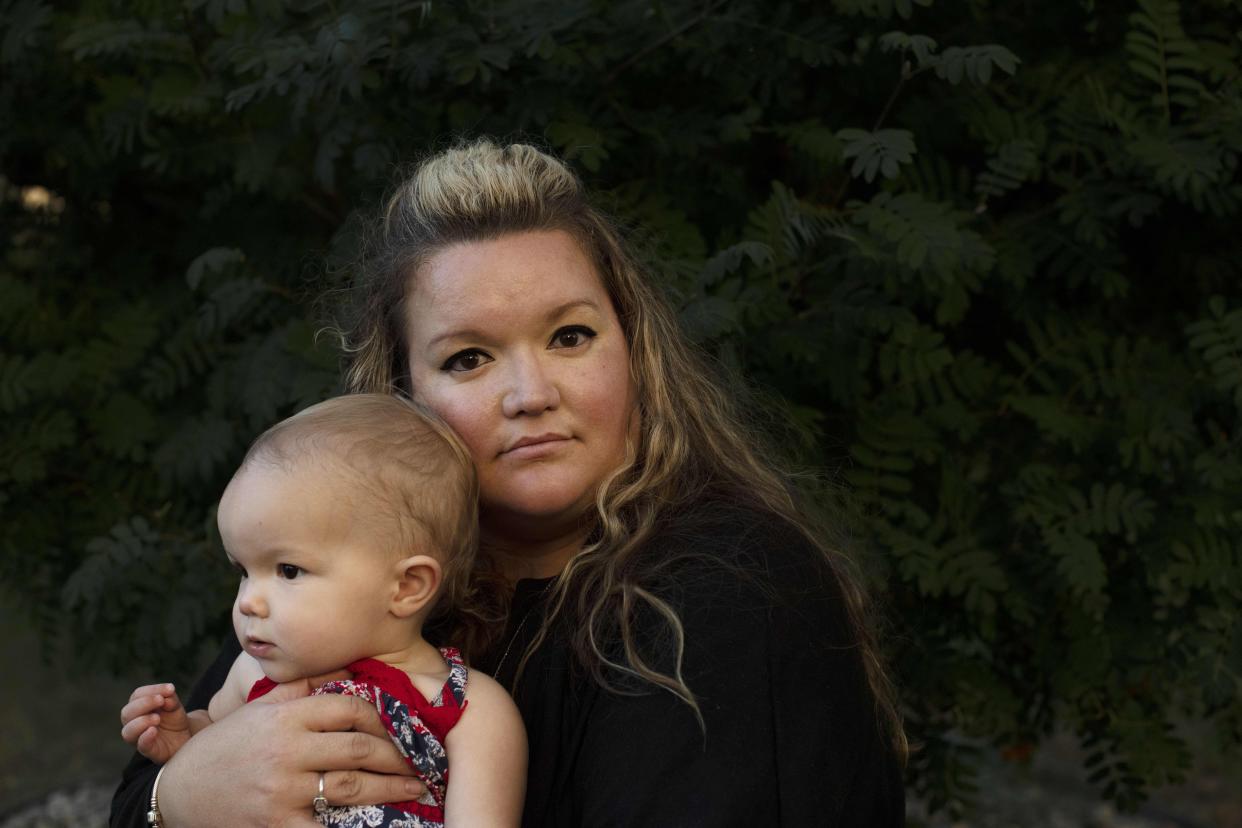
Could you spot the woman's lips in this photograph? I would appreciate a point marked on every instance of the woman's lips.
(532, 447)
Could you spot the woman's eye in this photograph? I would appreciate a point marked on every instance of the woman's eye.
(572, 336)
(288, 571)
(467, 360)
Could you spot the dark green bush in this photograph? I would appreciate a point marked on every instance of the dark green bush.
(986, 252)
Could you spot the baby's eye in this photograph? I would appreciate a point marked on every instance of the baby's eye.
(288, 571)
(238, 568)
(571, 336)
(466, 360)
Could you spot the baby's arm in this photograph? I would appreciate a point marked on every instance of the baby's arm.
(157, 724)
(232, 694)
(487, 759)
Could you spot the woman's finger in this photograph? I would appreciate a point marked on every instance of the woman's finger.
(334, 712)
(260, 765)
(300, 688)
(349, 751)
(347, 734)
(353, 787)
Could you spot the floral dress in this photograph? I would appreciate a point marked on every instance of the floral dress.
(418, 729)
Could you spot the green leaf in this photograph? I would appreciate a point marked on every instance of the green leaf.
(973, 63)
(921, 46)
(1079, 563)
(883, 151)
(579, 141)
(22, 23)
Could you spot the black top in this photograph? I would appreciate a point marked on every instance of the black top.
(791, 735)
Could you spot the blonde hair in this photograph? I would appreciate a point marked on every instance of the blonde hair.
(412, 468)
(692, 440)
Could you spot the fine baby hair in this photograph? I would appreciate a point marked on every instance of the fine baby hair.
(404, 469)
(351, 524)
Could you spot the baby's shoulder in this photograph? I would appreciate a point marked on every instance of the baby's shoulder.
(489, 710)
(483, 687)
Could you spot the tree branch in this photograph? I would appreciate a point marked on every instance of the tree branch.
(642, 53)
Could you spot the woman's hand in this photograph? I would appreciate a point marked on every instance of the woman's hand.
(260, 765)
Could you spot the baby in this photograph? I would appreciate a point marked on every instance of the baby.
(350, 524)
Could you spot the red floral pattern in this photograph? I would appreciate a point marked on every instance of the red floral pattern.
(418, 729)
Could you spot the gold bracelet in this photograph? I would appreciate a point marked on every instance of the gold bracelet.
(154, 818)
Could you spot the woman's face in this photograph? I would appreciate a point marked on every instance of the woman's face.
(515, 343)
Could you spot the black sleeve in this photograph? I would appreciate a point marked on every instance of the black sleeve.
(133, 797)
(791, 736)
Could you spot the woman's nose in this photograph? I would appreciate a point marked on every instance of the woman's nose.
(531, 390)
(250, 600)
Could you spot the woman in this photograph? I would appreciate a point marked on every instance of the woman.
(681, 650)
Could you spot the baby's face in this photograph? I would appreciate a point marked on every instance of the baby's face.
(314, 584)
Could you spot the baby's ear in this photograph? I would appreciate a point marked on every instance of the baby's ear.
(417, 581)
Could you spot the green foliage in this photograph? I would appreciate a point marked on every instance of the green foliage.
(1162, 53)
(882, 150)
(954, 64)
(1021, 345)
(1219, 343)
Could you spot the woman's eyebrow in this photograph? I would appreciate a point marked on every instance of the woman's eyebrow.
(551, 316)
(460, 333)
(562, 309)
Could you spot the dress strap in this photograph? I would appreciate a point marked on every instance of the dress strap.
(260, 688)
(455, 684)
(441, 713)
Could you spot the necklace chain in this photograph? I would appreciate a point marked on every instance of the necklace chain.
(512, 639)
(521, 626)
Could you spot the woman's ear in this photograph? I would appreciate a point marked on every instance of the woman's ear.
(417, 580)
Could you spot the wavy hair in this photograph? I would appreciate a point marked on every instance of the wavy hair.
(692, 437)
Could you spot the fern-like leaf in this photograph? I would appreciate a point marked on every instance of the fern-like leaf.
(1162, 54)
(974, 63)
(114, 38)
(881, 151)
(1218, 339)
(922, 47)
(1013, 164)
(921, 233)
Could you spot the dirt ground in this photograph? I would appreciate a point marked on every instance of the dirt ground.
(61, 727)
(1052, 792)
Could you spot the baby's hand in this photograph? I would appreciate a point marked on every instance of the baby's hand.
(155, 722)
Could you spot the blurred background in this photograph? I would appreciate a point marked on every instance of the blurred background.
(979, 260)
